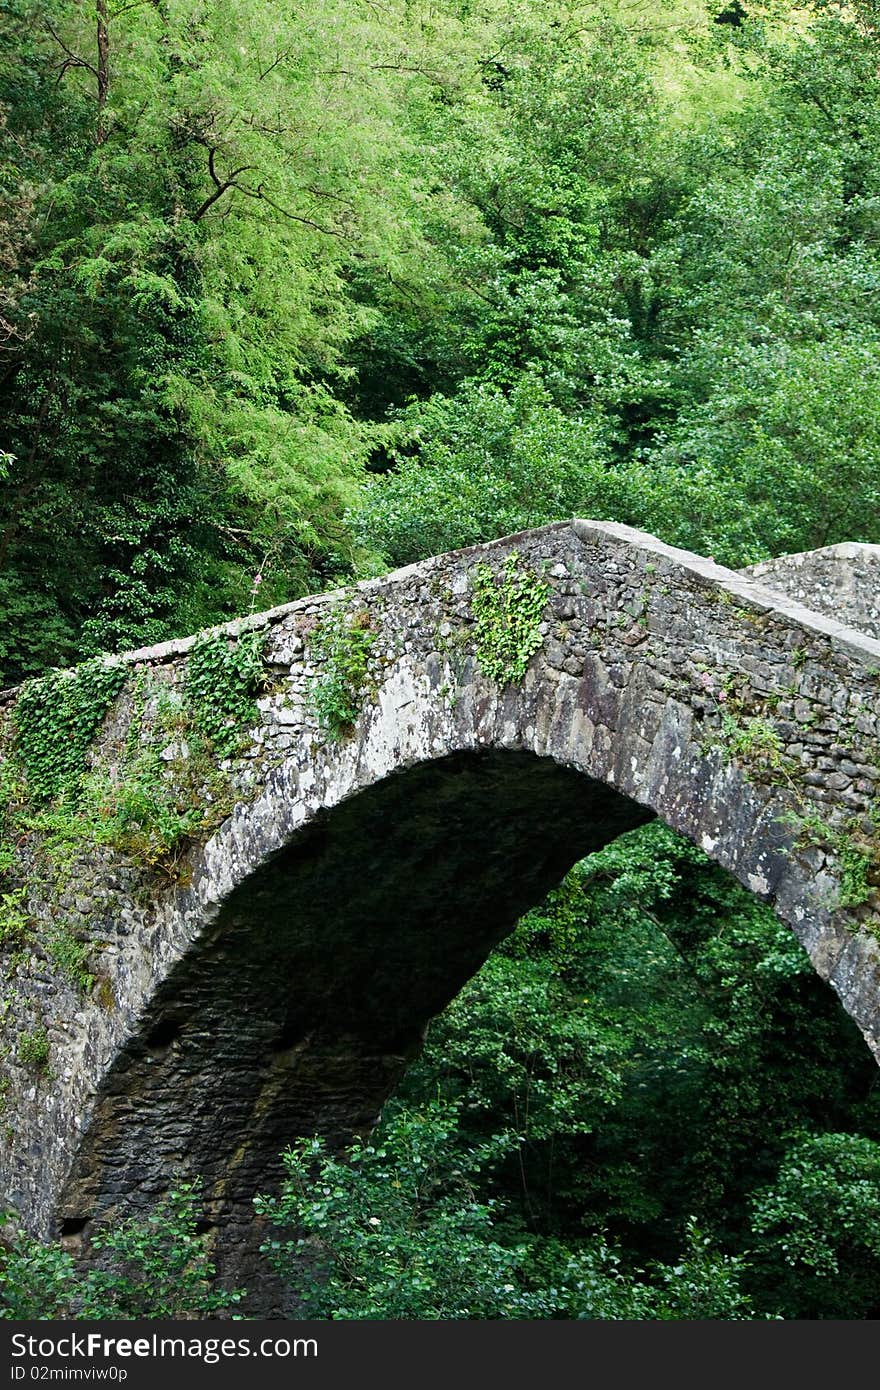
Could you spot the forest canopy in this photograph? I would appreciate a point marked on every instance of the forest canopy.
(292, 295)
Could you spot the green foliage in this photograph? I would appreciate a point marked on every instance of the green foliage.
(34, 1278)
(164, 788)
(605, 272)
(703, 1283)
(341, 645)
(151, 1267)
(32, 1049)
(13, 797)
(71, 956)
(601, 1124)
(222, 678)
(756, 743)
(507, 610)
(167, 788)
(783, 455)
(307, 291)
(636, 1035)
(396, 1229)
(856, 847)
(392, 1230)
(480, 464)
(15, 920)
(520, 1042)
(856, 864)
(818, 1227)
(521, 1049)
(179, 259)
(56, 718)
(142, 814)
(701, 298)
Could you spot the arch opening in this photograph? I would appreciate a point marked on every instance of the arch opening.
(300, 1007)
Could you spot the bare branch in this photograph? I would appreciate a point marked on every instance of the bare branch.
(258, 194)
(135, 5)
(221, 186)
(73, 59)
(281, 57)
(262, 196)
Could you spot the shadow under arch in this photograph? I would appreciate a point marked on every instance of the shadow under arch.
(299, 1008)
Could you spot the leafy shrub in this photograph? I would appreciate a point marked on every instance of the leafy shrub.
(141, 815)
(818, 1228)
(393, 1230)
(148, 1267)
(396, 1229)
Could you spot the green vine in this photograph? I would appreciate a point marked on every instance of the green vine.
(159, 788)
(342, 645)
(508, 613)
(139, 694)
(222, 678)
(56, 718)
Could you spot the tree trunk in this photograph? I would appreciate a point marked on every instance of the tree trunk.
(103, 67)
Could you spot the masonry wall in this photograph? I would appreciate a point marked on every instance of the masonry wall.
(842, 581)
(276, 979)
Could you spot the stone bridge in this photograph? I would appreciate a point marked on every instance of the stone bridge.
(275, 975)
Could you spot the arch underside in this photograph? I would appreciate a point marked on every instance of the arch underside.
(301, 1006)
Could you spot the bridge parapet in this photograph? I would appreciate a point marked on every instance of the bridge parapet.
(842, 581)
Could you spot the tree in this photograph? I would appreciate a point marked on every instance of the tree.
(479, 464)
(200, 187)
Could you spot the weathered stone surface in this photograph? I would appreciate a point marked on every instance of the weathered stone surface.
(280, 986)
(840, 580)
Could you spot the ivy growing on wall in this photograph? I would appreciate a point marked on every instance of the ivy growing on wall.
(342, 646)
(222, 678)
(508, 610)
(56, 717)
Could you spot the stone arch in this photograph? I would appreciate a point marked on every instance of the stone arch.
(284, 987)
